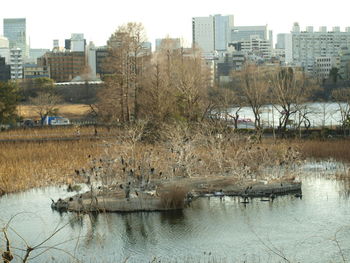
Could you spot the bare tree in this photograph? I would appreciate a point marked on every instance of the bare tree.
(254, 88)
(125, 62)
(289, 89)
(45, 103)
(342, 97)
(176, 84)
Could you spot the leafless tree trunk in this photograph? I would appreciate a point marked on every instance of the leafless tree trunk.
(289, 89)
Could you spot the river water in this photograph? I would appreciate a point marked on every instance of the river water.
(320, 115)
(211, 230)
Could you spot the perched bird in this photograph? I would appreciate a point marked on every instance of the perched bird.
(272, 196)
(298, 195)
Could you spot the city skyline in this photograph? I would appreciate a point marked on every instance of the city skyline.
(47, 20)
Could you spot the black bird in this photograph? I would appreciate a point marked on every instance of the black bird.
(298, 195)
(137, 194)
(160, 173)
(77, 172)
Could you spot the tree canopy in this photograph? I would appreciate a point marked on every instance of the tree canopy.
(9, 99)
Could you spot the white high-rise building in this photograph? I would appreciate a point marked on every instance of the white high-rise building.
(16, 63)
(257, 46)
(77, 43)
(284, 46)
(91, 59)
(212, 33)
(310, 45)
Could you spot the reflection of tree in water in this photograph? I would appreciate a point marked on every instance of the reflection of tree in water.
(344, 187)
(172, 217)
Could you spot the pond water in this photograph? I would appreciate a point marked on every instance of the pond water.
(320, 114)
(211, 230)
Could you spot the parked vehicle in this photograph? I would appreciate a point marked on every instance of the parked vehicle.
(55, 121)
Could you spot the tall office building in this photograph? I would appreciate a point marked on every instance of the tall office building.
(284, 44)
(311, 46)
(76, 43)
(244, 33)
(15, 31)
(212, 33)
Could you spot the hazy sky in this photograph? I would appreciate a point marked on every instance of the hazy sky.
(48, 20)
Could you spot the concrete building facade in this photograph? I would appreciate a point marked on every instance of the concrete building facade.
(244, 33)
(63, 66)
(33, 71)
(344, 63)
(284, 46)
(256, 46)
(212, 33)
(309, 45)
(323, 66)
(16, 63)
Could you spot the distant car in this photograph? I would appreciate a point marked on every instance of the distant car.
(55, 121)
(27, 123)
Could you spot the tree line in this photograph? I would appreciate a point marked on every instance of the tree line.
(176, 84)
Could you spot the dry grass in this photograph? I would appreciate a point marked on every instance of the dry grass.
(65, 110)
(173, 197)
(29, 165)
(181, 153)
(56, 132)
(321, 150)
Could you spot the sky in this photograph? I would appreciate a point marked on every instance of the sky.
(48, 20)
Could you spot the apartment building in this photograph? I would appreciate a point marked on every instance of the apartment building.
(16, 63)
(309, 46)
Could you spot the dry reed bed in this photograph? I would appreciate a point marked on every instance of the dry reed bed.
(29, 165)
(56, 132)
(180, 152)
(322, 150)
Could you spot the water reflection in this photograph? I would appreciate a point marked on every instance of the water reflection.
(226, 228)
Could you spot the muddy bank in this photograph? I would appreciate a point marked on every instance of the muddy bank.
(172, 194)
